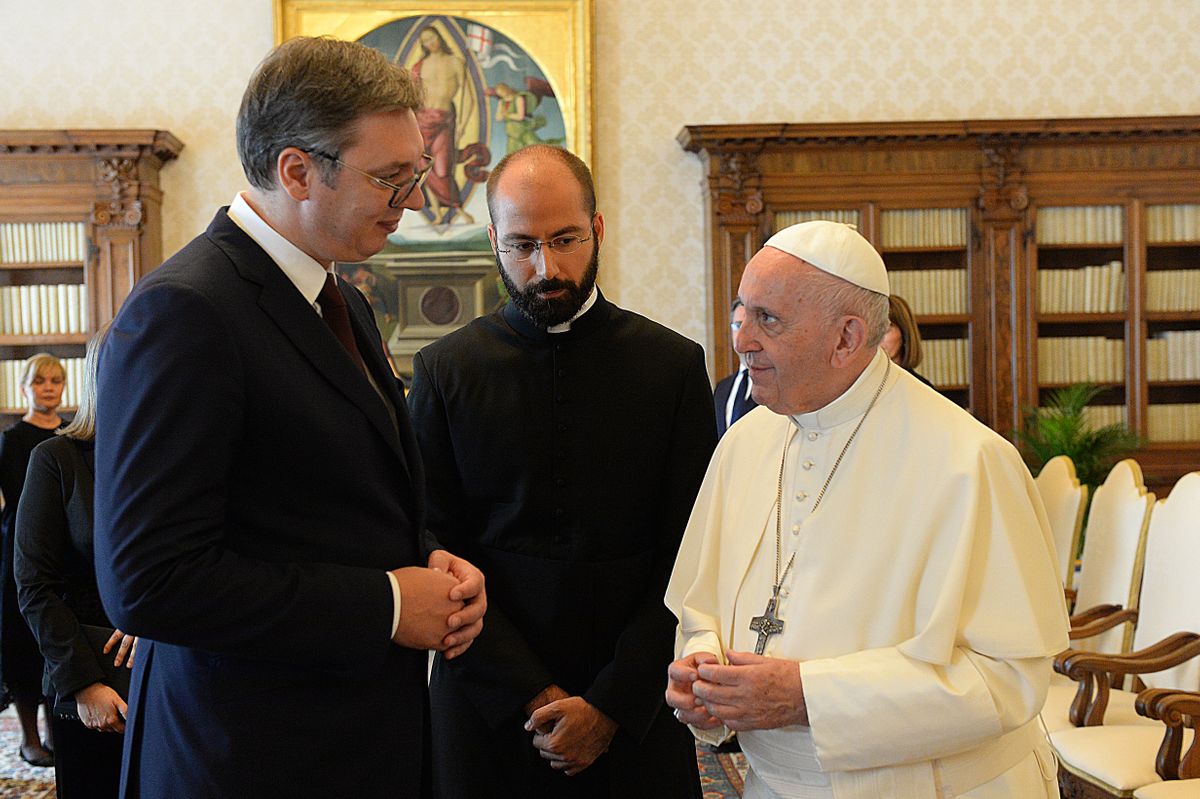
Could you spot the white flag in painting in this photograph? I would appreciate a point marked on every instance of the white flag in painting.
(479, 39)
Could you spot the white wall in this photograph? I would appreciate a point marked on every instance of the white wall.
(660, 64)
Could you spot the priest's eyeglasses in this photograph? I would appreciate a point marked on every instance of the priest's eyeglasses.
(559, 245)
(400, 191)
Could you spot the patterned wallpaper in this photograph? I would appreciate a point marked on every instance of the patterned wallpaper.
(660, 64)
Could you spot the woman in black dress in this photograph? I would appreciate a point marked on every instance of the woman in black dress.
(56, 584)
(42, 383)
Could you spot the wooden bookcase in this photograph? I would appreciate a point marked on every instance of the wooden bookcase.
(1035, 253)
(80, 223)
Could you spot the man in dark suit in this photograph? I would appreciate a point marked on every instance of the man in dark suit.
(565, 439)
(731, 397)
(259, 492)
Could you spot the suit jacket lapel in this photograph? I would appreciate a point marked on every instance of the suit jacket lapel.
(297, 320)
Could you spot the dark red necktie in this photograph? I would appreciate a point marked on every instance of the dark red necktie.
(337, 316)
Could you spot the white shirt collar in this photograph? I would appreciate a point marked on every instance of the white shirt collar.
(854, 401)
(565, 326)
(306, 274)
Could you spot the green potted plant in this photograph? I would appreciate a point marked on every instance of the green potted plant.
(1060, 427)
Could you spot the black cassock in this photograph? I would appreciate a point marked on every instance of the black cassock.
(565, 467)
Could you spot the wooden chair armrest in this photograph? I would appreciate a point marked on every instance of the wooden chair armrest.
(1102, 623)
(1091, 614)
(1165, 654)
(1069, 594)
(1174, 708)
(1094, 672)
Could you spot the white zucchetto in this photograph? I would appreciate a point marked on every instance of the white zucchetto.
(835, 248)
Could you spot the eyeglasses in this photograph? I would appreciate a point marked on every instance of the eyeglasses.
(559, 245)
(401, 191)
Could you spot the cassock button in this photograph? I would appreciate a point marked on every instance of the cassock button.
(562, 372)
(560, 399)
(795, 529)
(803, 495)
(808, 464)
(813, 436)
(560, 482)
(559, 511)
(562, 428)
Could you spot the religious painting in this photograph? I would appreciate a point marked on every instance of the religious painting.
(497, 76)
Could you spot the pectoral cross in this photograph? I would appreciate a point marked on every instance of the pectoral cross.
(767, 624)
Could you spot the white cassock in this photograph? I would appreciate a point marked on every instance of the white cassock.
(923, 603)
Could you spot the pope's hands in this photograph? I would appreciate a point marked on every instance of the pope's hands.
(465, 625)
(569, 732)
(681, 676)
(752, 692)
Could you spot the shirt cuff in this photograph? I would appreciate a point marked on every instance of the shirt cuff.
(395, 602)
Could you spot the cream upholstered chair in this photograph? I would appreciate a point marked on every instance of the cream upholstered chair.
(1107, 756)
(1110, 580)
(1113, 550)
(1064, 499)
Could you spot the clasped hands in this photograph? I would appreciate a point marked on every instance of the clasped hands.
(441, 604)
(568, 731)
(100, 707)
(752, 692)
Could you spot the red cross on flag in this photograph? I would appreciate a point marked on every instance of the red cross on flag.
(479, 39)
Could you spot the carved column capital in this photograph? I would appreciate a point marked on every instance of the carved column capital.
(122, 208)
(736, 188)
(1002, 192)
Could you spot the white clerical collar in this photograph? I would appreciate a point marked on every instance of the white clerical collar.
(587, 306)
(306, 274)
(852, 403)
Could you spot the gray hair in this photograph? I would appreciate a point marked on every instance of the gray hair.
(842, 298)
(309, 93)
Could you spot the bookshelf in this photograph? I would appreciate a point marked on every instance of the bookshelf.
(1035, 253)
(80, 223)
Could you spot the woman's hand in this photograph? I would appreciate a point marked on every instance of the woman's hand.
(128, 646)
(101, 708)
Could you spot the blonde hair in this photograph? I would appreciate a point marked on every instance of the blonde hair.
(36, 363)
(83, 426)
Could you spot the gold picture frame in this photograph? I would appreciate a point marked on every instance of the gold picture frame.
(498, 75)
(558, 34)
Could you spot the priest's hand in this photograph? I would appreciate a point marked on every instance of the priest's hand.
(570, 733)
(465, 625)
(753, 692)
(425, 607)
(680, 677)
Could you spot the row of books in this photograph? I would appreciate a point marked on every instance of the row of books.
(946, 361)
(41, 242)
(1089, 289)
(10, 382)
(1173, 290)
(1172, 223)
(1173, 355)
(43, 309)
(931, 291)
(1081, 224)
(1097, 416)
(1075, 359)
(1173, 422)
(845, 216)
(924, 227)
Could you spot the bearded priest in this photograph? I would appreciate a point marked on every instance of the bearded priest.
(866, 589)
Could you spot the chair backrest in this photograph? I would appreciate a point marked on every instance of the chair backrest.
(1170, 600)
(1064, 499)
(1113, 551)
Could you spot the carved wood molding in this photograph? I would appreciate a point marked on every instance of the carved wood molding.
(158, 144)
(695, 138)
